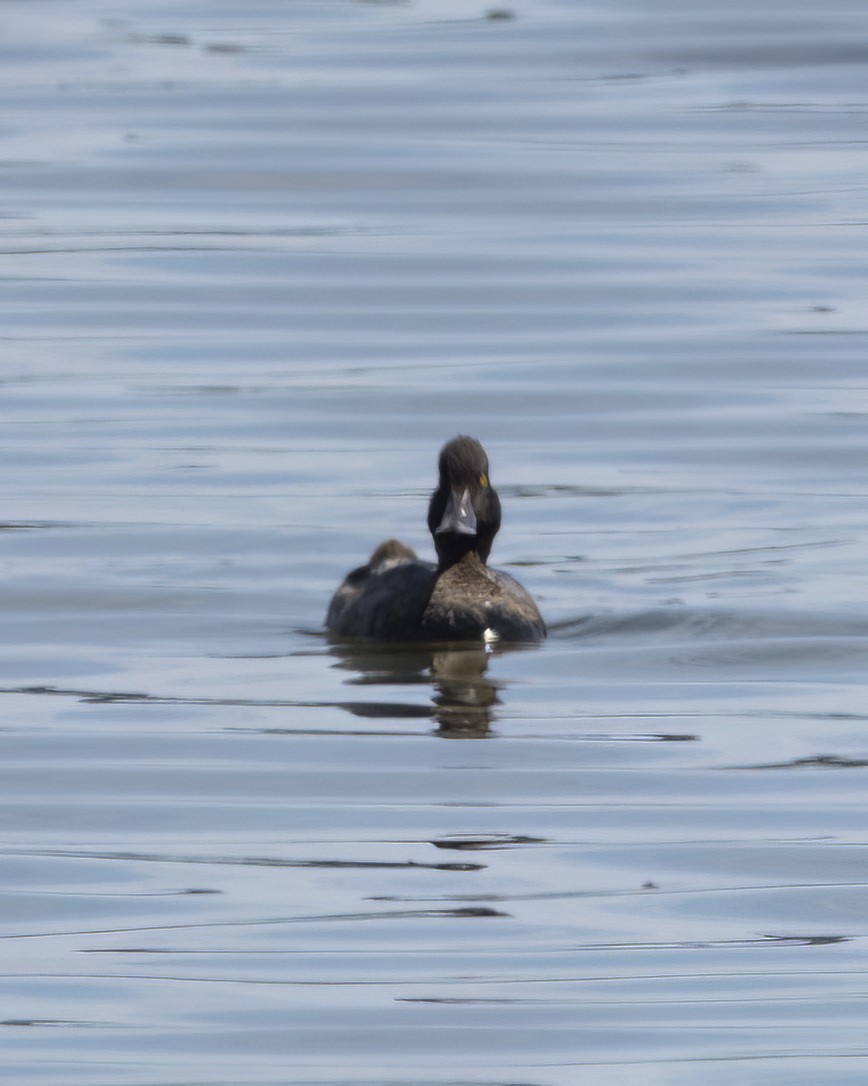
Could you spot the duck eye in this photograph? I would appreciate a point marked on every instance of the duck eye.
(483, 480)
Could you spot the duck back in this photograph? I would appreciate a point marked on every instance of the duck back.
(471, 601)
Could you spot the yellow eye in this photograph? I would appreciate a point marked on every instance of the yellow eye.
(483, 480)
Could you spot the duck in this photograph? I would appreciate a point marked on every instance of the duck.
(398, 597)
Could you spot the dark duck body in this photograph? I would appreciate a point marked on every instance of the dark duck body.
(397, 597)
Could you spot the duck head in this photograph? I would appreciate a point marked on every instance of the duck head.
(464, 512)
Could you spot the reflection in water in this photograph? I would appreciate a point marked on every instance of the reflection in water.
(831, 761)
(463, 695)
(461, 702)
(475, 842)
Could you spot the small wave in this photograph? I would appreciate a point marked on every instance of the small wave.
(696, 624)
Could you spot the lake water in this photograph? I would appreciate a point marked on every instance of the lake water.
(259, 261)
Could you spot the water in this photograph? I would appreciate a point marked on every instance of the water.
(259, 262)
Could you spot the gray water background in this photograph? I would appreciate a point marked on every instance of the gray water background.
(258, 262)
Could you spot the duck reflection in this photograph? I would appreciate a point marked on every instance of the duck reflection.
(463, 696)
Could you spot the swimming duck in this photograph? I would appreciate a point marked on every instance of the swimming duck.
(398, 597)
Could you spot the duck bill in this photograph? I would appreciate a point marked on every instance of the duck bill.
(459, 516)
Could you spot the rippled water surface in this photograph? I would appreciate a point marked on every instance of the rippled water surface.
(259, 261)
